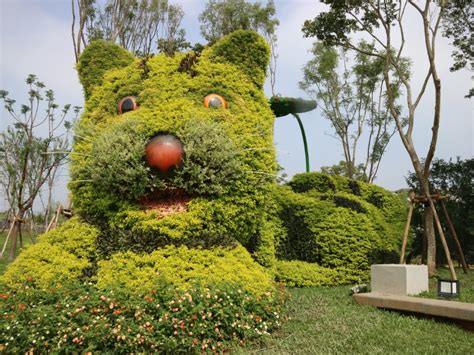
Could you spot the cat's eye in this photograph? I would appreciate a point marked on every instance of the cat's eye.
(214, 101)
(128, 103)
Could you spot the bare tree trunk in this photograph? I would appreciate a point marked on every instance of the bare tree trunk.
(430, 237)
(15, 233)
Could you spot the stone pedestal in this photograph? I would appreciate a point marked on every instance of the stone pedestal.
(396, 279)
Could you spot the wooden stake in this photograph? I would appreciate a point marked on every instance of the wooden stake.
(455, 237)
(443, 239)
(54, 220)
(8, 237)
(411, 195)
(4, 226)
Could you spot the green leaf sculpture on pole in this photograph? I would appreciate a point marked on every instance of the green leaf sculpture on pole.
(283, 106)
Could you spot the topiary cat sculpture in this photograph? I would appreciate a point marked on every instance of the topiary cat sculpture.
(171, 167)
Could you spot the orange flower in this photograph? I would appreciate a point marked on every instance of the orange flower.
(21, 307)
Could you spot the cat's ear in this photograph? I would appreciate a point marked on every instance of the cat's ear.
(245, 49)
(96, 59)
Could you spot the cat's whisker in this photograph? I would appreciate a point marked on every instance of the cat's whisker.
(255, 149)
(67, 152)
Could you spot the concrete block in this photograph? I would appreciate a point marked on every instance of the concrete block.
(399, 279)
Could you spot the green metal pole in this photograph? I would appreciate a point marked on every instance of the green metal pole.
(304, 140)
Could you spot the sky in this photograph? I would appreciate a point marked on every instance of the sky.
(35, 37)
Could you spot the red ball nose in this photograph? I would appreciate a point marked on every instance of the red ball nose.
(164, 152)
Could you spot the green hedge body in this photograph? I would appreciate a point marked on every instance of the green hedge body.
(337, 224)
(216, 206)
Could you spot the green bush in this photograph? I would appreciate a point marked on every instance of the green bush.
(183, 267)
(116, 162)
(75, 237)
(215, 203)
(302, 274)
(211, 164)
(63, 254)
(80, 319)
(311, 181)
(339, 223)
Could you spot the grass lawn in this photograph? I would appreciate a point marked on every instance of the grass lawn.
(327, 320)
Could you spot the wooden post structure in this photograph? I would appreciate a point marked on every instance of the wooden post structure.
(455, 237)
(428, 200)
(411, 196)
(54, 220)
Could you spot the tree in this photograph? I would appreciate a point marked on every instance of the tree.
(384, 21)
(141, 26)
(458, 26)
(454, 179)
(221, 17)
(352, 99)
(341, 170)
(29, 158)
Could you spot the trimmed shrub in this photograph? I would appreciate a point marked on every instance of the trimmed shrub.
(302, 274)
(183, 268)
(75, 237)
(311, 181)
(339, 223)
(229, 155)
(64, 254)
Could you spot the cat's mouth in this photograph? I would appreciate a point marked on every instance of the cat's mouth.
(165, 203)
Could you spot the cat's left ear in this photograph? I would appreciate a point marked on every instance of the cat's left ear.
(245, 49)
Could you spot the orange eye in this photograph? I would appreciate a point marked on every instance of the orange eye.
(214, 101)
(128, 103)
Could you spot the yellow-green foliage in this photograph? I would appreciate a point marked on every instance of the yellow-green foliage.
(184, 268)
(74, 236)
(98, 57)
(60, 255)
(44, 266)
(245, 49)
(302, 274)
(339, 223)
